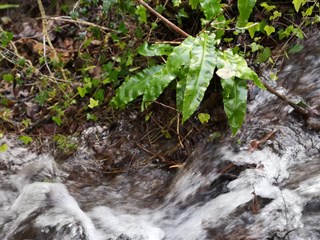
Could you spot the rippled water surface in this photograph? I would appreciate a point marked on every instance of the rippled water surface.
(226, 190)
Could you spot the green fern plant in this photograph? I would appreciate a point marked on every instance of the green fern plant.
(192, 64)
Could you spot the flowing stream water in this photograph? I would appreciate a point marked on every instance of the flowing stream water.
(227, 189)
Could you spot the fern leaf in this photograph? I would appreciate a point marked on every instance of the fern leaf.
(157, 84)
(232, 65)
(234, 101)
(210, 8)
(234, 73)
(181, 87)
(154, 50)
(245, 8)
(134, 87)
(201, 69)
(180, 55)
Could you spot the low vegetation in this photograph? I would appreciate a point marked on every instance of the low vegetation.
(96, 56)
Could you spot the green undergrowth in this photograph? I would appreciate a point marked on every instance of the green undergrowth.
(122, 53)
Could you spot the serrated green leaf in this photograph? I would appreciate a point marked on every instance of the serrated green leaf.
(155, 49)
(41, 97)
(134, 87)
(201, 69)
(245, 8)
(210, 8)
(8, 77)
(234, 101)
(269, 29)
(3, 147)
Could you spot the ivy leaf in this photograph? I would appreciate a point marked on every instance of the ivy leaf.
(253, 28)
(234, 101)
(269, 29)
(3, 147)
(201, 69)
(255, 47)
(82, 91)
(142, 14)
(176, 3)
(308, 12)
(154, 49)
(25, 139)
(298, 3)
(211, 9)
(204, 118)
(267, 7)
(93, 103)
(134, 87)
(194, 3)
(245, 8)
(275, 15)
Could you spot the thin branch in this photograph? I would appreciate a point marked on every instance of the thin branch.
(166, 21)
(79, 21)
(303, 111)
(46, 35)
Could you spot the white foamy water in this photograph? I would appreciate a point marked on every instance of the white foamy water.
(226, 190)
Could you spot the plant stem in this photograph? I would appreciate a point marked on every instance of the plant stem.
(166, 21)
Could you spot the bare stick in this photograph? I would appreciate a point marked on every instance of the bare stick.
(166, 21)
(304, 112)
(80, 22)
